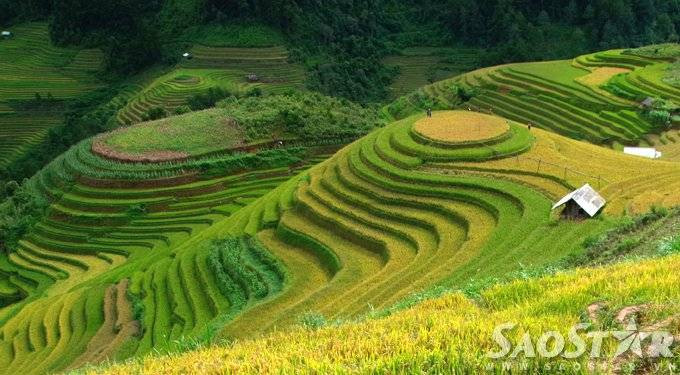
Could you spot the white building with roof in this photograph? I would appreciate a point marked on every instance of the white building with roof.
(645, 152)
(582, 200)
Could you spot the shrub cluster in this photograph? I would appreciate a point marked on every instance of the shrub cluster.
(207, 99)
(301, 115)
(19, 213)
(85, 116)
(618, 241)
(236, 280)
(154, 113)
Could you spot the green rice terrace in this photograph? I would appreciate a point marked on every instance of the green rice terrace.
(242, 220)
(35, 81)
(419, 66)
(596, 98)
(235, 69)
(110, 221)
(41, 79)
(138, 257)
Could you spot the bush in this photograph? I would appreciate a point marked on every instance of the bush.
(592, 241)
(236, 281)
(313, 320)
(182, 110)
(465, 93)
(137, 306)
(208, 99)
(136, 211)
(668, 245)
(658, 116)
(302, 115)
(19, 213)
(154, 113)
(255, 91)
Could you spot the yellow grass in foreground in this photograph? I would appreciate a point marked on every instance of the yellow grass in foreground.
(461, 126)
(446, 334)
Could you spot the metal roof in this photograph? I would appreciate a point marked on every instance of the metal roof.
(586, 197)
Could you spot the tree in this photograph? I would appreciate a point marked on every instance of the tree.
(589, 13)
(571, 12)
(649, 36)
(154, 113)
(665, 28)
(543, 18)
(645, 11)
(611, 36)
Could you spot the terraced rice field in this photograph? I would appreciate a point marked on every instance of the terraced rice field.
(419, 66)
(392, 213)
(117, 223)
(199, 248)
(34, 66)
(242, 253)
(571, 98)
(645, 78)
(174, 138)
(557, 102)
(557, 165)
(211, 67)
(667, 142)
(453, 334)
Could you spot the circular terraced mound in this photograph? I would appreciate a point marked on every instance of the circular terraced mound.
(461, 127)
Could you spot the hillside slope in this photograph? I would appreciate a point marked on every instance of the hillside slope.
(36, 78)
(392, 214)
(419, 66)
(104, 254)
(208, 243)
(398, 211)
(208, 67)
(593, 97)
(454, 334)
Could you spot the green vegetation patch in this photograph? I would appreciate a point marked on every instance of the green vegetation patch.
(652, 234)
(560, 71)
(241, 122)
(233, 35)
(672, 74)
(39, 81)
(662, 51)
(419, 66)
(301, 115)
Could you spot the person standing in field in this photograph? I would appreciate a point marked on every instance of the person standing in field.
(429, 112)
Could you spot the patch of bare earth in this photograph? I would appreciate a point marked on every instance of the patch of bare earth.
(627, 315)
(100, 148)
